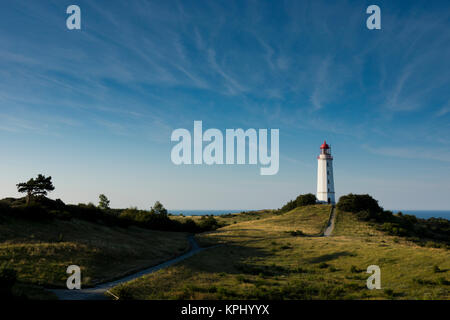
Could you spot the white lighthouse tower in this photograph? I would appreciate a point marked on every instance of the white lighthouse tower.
(325, 182)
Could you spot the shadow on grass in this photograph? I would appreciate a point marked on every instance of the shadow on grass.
(225, 258)
(330, 256)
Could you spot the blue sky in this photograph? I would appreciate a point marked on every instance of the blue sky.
(95, 108)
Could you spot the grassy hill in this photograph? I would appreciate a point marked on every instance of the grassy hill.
(283, 256)
(40, 251)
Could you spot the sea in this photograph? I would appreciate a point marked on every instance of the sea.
(424, 214)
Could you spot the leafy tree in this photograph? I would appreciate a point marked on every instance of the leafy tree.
(159, 209)
(104, 202)
(36, 187)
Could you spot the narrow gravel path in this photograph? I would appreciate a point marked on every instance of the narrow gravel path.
(98, 292)
(330, 226)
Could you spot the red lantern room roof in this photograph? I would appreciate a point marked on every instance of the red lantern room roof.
(324, 145)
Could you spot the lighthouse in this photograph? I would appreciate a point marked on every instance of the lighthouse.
(325, 182)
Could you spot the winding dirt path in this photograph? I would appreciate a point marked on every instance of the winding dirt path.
(98, 292)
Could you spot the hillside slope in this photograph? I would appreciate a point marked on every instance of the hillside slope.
(41, 251)
(264, 259)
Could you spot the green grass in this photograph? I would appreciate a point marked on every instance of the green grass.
(263, 259)
(41, 251)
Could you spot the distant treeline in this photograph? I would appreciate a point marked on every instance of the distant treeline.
(42, 208)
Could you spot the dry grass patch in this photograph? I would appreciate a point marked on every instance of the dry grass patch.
(41, 252)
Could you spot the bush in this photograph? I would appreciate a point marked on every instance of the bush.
(208, 223)
(394, 229)
(291, 205)
(301, 200)
(297, 233)
(189, 225)
(305, 200)
(362, 204)
(389, 293)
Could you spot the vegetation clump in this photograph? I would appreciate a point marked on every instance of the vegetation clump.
(301, 201)
(363, 205)
(36, 206)
(297, 233)
(366, 208)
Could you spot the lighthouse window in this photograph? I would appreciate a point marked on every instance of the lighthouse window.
(328, 180)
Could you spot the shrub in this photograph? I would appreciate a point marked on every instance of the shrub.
(208, 223)
(354, 269)
(296, 233)
(291, 205)
(305, 200)
(363, 205)
(301, 200)
(394, 229)
(389, 293)
(189, 225)
(358, 202)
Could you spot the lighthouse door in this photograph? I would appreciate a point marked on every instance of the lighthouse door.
(329, 200)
